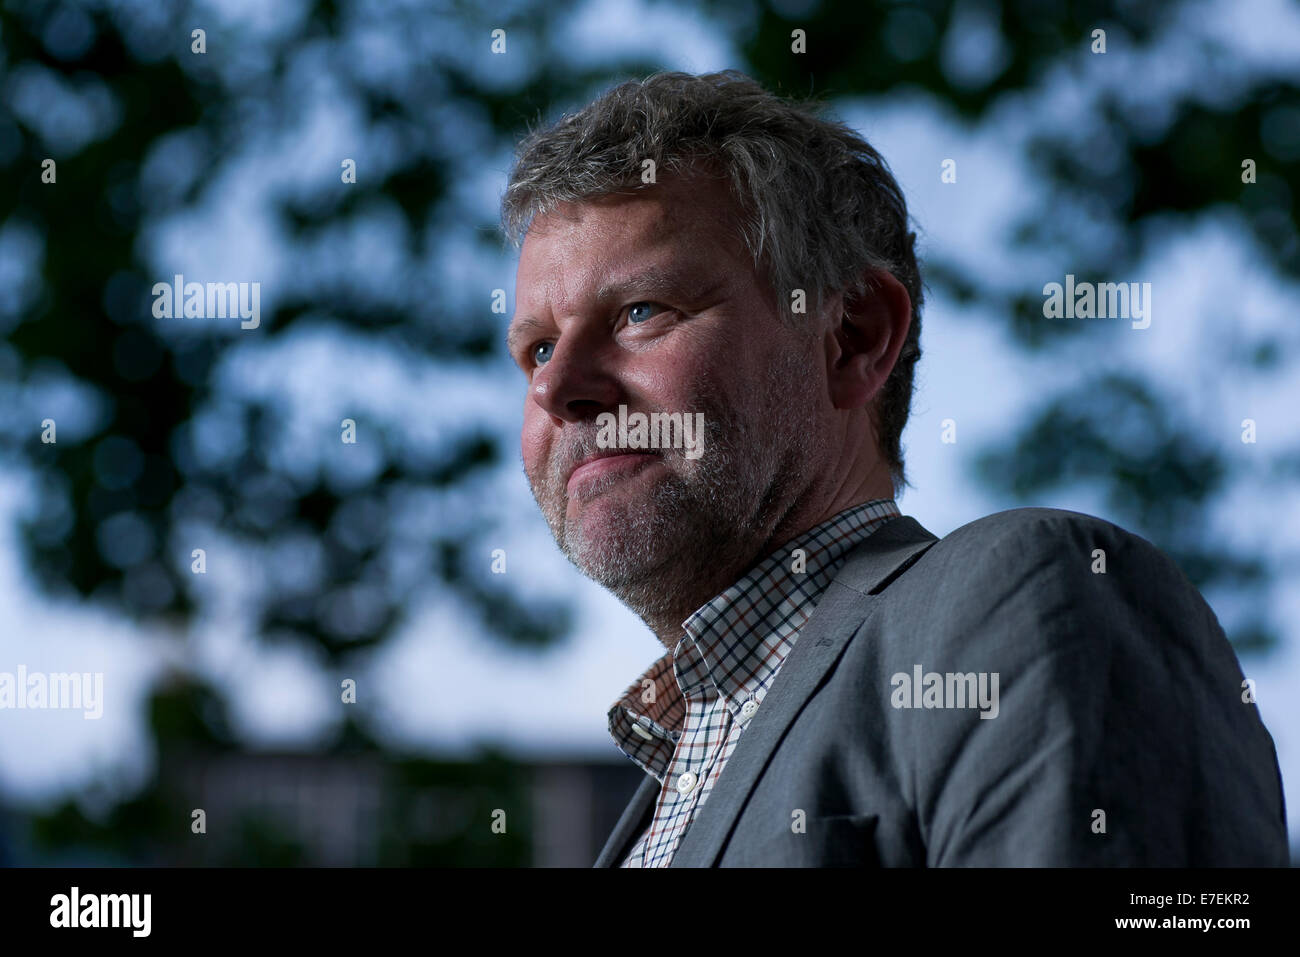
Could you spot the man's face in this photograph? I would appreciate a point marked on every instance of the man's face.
(650, 301)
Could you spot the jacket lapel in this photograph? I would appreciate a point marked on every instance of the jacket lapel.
(635, 819)
(839, 614)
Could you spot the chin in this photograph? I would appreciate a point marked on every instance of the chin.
(618, 556)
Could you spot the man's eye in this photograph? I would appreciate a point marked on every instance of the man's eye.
(639, 312)
(542, 352)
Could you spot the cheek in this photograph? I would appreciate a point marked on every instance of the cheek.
(730, 373)
(669, 378)
(534, 438)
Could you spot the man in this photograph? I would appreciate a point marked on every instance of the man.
(840, 687)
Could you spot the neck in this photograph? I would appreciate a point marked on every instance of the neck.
(680, 591)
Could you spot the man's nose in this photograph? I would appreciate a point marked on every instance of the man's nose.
(575, 384)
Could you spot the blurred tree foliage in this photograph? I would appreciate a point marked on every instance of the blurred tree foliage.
(144, 472)
(113, 93)
(1135, 174)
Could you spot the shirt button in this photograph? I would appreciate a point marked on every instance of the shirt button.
(748, 708)
(642, 731)
(686, 783)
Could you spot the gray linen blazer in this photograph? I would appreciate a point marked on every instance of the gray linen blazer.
(1123, 736)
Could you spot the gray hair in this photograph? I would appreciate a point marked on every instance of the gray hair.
(819, 208)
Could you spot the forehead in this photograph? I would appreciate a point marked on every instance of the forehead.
(578, 246)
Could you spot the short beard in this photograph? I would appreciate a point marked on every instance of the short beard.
(707, 520)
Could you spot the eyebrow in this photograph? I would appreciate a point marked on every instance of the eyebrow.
(652, 277)
(519, 329)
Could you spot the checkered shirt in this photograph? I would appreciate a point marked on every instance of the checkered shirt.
(710, 687)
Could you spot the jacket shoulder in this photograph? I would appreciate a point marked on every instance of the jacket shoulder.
(1046, 538)
(1025, 524)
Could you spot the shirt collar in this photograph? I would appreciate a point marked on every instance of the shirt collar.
(735, 643)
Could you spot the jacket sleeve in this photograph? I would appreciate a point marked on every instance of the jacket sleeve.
(1123, 735)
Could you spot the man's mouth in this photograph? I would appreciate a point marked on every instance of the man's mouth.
(605, 463)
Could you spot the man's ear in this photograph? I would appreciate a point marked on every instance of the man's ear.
(863, 343)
